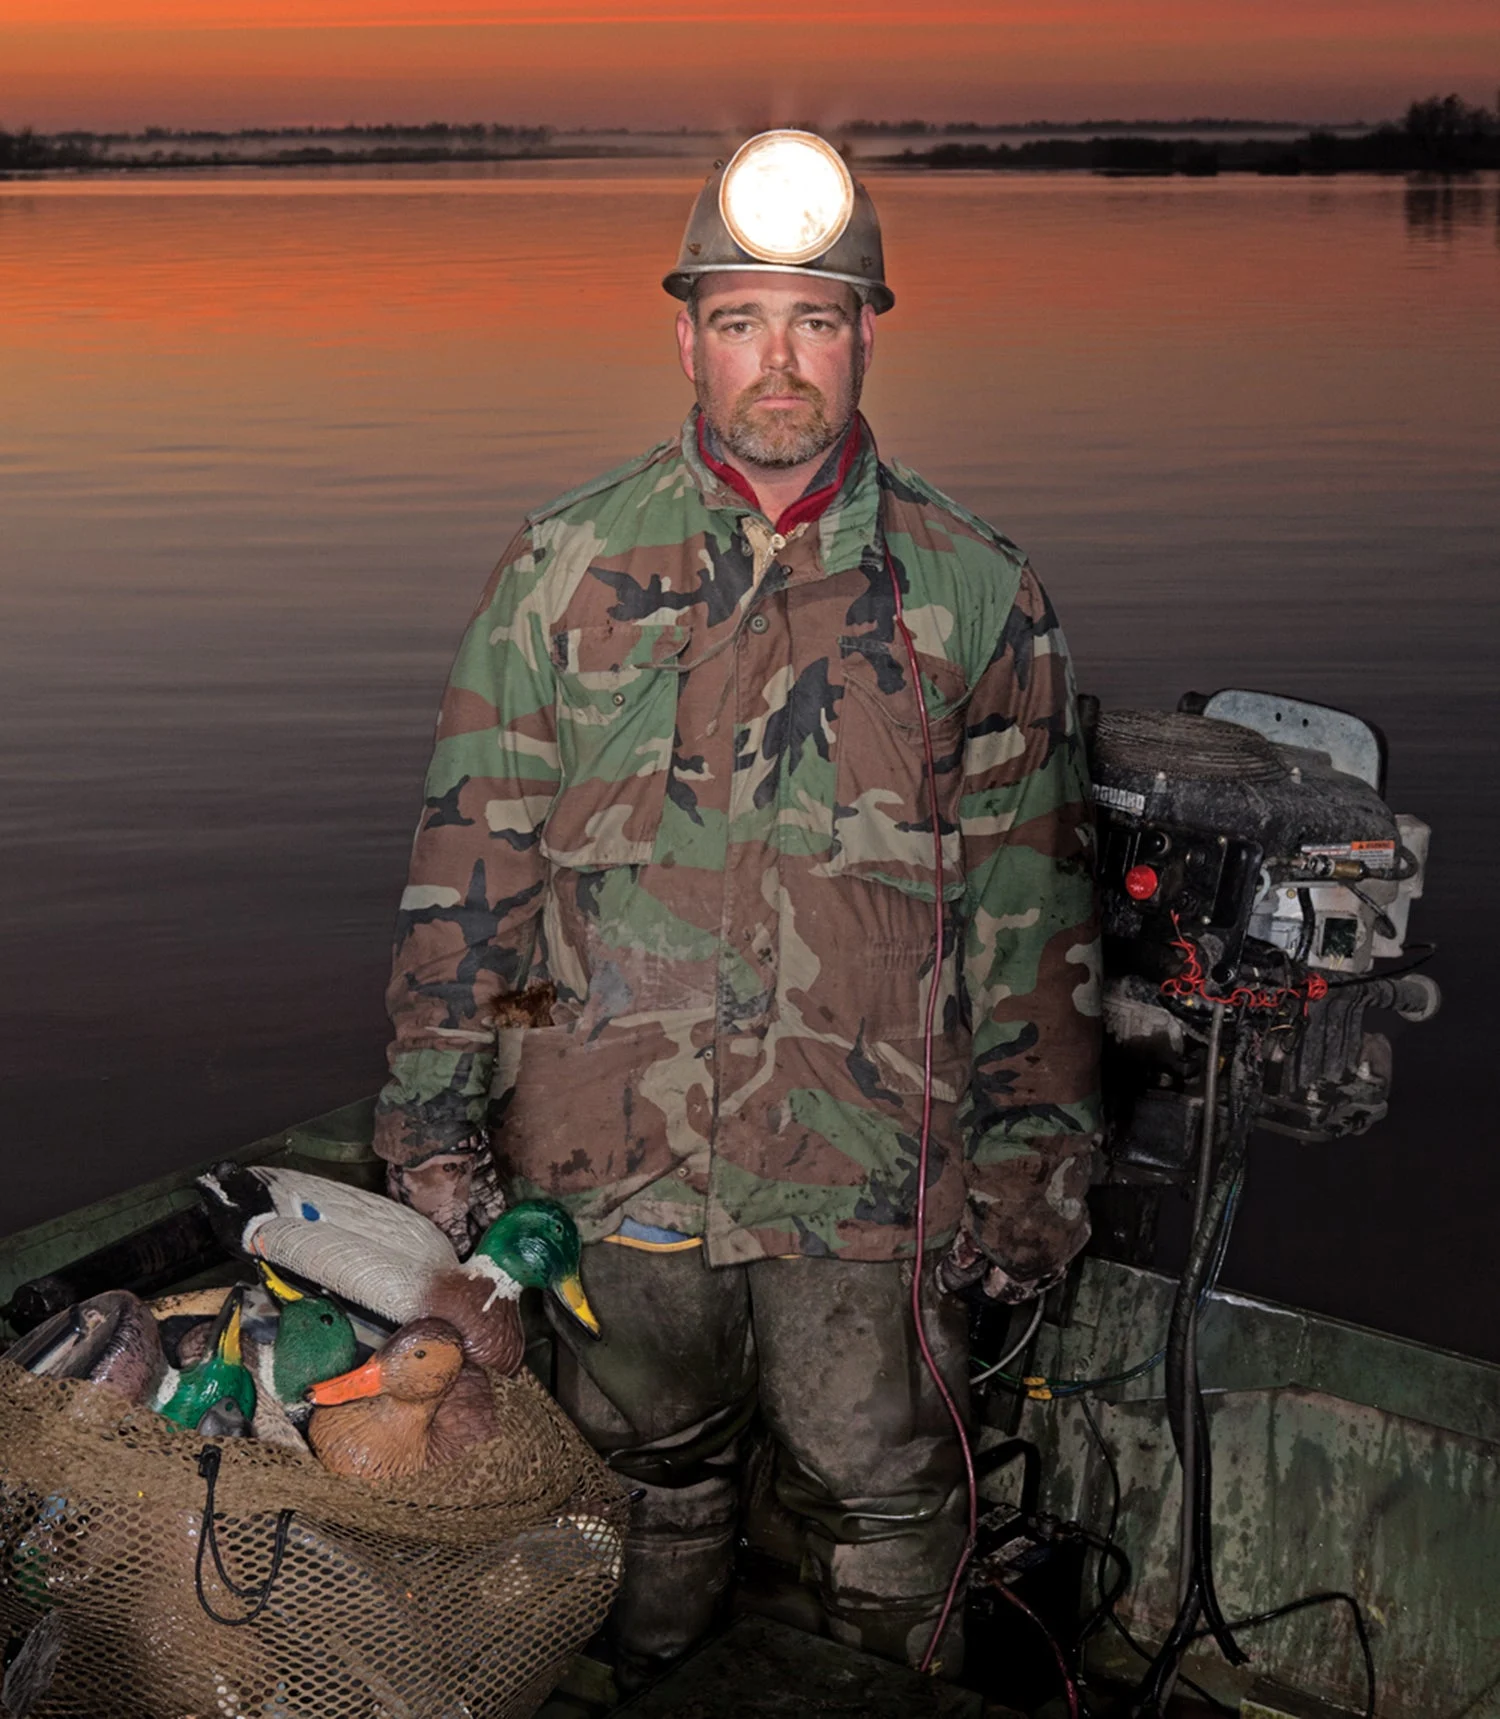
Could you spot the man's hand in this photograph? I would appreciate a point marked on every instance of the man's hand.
(968, 1271)
(440, 1187)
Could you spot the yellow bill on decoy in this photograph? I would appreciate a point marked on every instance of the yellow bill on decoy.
(570, 1291)
(278, 1286)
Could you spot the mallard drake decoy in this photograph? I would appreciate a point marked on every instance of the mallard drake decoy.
(221, 1373)
(110, 1338)
(314, 1339)
(390, 1259)
(415, 1403)
(287, 1341)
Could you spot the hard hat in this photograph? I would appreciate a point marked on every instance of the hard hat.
(784, 204)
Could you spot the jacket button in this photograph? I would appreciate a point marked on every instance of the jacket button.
(758, 623)
(708, 1055)
(619, 698)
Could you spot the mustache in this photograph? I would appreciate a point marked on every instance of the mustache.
(787, 384)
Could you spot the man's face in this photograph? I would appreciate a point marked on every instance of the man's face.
(778, 361)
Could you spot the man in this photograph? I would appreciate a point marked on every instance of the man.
(668, 944)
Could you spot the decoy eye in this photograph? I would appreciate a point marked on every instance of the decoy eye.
(325, 1319)
(420, 1354)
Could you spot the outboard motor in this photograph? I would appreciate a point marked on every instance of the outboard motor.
(1248, 862)
(1252, 878)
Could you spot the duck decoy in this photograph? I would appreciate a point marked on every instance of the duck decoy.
(415, 1403)
(110, 1338)
(314, 1339)
(391, 1260)
(221, 1373)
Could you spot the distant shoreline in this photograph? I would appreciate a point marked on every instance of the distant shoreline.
(1441, 135)
(1387, 149)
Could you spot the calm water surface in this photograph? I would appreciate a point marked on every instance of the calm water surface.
(263, 438)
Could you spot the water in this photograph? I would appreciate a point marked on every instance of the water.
(264, 437)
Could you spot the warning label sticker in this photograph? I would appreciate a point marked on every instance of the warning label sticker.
(1380, 854)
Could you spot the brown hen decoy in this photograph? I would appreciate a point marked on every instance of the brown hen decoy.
(415, 1403)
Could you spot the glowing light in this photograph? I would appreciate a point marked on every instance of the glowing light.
(786, 197)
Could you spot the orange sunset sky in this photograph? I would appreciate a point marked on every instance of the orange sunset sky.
(227, 63)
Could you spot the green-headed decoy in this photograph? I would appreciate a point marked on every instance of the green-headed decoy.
(383, 1256)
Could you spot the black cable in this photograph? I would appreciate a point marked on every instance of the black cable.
(1106, 1600)
(1203, 1491)
(1186, 1682)
(1428, 951)
(1309, 925)
(1244, 1089)
(1107, 1549)
(1327, 1597)
(1384, 924)
(1203, 1538)
(1106, 1612)
(1205, 1256)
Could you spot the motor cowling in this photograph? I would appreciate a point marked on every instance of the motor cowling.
(1248, 859)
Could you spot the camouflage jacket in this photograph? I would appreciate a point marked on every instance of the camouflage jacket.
(679, 793)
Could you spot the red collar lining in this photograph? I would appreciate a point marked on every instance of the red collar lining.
(806, 507)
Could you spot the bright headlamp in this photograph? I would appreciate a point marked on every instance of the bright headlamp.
(786, 197)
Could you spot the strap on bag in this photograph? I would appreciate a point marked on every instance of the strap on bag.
(208, 1541)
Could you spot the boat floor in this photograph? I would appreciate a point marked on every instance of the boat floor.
(760, 1668)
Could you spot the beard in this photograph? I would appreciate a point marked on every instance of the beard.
(777, 440)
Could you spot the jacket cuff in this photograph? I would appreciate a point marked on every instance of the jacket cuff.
(408, 1135)
(435, 1101)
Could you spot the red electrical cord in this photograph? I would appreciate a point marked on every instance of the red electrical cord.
(1191, 982)
(1069, 1686)
(923, 1151)
(926, 1138)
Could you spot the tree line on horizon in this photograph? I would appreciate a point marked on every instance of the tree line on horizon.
(1440, 134)
(29, 149)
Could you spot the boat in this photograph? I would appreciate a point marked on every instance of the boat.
(1349, 1460)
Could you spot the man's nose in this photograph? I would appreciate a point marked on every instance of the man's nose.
(778, 353)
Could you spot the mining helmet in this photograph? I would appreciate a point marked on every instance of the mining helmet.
(787, 204)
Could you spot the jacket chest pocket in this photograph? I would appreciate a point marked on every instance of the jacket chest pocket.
(884, 800)
(616, 722)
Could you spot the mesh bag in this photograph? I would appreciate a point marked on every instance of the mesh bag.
(455, 1594)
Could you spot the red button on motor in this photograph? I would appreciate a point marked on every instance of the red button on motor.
(1141, 882)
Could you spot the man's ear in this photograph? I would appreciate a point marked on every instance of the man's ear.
(867, 332)
(687, 334)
